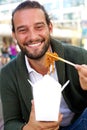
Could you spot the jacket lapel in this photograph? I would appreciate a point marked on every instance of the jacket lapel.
(23, 76)
(59, 49)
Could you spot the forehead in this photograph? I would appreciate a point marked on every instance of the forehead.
(29, 15)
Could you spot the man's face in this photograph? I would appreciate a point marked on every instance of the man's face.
(32, 32)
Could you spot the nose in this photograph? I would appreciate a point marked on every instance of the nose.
(32, 35)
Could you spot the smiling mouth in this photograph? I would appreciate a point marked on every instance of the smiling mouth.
(35, 44)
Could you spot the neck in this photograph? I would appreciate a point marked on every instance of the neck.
(39, 65)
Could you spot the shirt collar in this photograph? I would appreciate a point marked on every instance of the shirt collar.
(30, 69)
(28, 65)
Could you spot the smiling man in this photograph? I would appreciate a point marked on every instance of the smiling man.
(32, 28)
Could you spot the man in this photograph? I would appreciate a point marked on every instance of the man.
(32, 29)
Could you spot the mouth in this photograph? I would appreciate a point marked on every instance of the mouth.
(35, 44)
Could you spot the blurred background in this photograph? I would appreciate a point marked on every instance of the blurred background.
(69, 18)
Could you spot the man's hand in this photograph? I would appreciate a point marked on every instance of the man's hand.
(82, 71)
(41, 125)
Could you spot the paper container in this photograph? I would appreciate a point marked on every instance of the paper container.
(47, 96)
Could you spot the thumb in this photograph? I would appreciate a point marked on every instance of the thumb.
(32, 102)
(78, 67)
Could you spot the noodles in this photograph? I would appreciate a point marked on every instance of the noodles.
(50, 59)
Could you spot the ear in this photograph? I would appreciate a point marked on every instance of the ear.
(51, 27)
(13, 35)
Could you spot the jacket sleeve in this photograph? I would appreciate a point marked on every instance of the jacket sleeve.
(11, 107)
(75, 95)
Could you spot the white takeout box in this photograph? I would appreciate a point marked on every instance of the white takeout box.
(47, 97)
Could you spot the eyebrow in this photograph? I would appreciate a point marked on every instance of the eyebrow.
(21, 27)
(39, 23)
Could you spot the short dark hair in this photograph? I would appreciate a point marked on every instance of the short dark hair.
(29, 5)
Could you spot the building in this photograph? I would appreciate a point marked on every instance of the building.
(66, 15)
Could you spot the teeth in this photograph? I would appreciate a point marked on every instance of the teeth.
(34, 45)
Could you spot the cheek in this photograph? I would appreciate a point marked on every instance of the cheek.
(46, 33)
(21, 39)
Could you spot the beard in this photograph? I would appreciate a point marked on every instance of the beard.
(36, 56)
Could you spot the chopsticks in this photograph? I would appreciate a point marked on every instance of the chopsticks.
(56, 57)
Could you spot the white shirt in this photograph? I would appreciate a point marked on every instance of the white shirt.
(35, 76)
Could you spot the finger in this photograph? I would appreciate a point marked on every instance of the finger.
(60, 117)
(32, 102)
(78, 67)
(57, 128)
(85, 66)
(32, 115)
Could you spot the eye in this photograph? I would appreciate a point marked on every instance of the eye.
(39, 27)
(22, 30)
